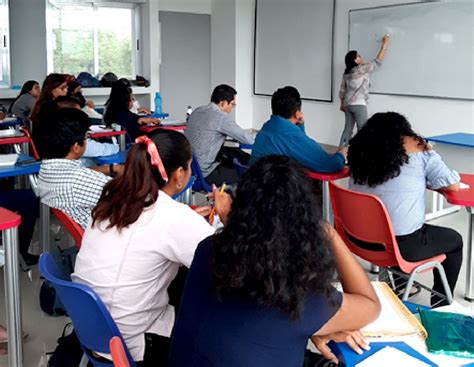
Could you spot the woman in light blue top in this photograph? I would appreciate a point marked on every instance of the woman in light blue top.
(388, 159)
(354, 92)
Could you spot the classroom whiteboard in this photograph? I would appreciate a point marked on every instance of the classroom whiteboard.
(293, 46)
(431, 50)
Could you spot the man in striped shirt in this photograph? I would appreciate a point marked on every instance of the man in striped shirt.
(63, 183)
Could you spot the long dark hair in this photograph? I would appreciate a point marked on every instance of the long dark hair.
(350, 61)
(376, 153)
(125, 197)
(274, 249)
(26, 88)
(51, 82)
(119, 100)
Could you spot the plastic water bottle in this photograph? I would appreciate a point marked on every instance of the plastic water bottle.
(189, 111)
(158, 102)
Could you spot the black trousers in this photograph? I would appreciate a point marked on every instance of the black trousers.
(157, 348)
(26, 204)
(225, 171)
(430, 241)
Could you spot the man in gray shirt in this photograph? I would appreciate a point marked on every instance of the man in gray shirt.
(207, 128)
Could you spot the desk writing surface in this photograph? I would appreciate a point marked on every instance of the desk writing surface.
(463, 197)
(19, 170)
(460, 139)
(117, 158)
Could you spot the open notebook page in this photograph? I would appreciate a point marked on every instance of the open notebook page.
(391, 357)
(393, 319)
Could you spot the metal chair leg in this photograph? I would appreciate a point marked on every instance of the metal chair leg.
(444, 280)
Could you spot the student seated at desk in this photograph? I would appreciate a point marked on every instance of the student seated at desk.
(74, 90)
(118, 111)
(138, 238)
(93, 148)
(207, 128)
(260, 288)
(284, 134)
(54, 86)
(388, 159)
(25, 101)
(63, 182)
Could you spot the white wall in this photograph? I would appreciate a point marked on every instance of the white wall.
(244, 62)
(324, 120)
(186, 6)
(27, 40)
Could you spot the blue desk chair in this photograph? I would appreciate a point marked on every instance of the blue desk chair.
(239, 167)
(93, 324)
(185, 195)
(200, 183)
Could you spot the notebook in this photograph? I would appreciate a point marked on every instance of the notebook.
(8, 159)
(449, 333)
(394, 319)
(167, 122)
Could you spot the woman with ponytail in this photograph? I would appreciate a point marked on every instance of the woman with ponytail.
(138, 238)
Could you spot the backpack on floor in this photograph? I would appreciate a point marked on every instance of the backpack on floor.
(49, 300)
(68, 352)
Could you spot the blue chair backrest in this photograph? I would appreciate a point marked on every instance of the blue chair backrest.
(239, 167)
(200, 183)
(186, 188)
(93, 324)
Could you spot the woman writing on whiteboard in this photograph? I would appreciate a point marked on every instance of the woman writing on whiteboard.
(354, 92)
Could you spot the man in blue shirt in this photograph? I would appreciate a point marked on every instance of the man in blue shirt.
(284, 134)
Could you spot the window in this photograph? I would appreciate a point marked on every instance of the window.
(93, 38)
(4, 48)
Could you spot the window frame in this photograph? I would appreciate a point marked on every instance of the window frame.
(135, 28)
(5, 71)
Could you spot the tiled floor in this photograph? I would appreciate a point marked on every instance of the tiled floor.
(44, 330)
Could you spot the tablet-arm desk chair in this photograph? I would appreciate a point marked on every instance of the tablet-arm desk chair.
(364, 224)
(118, 352)
(74, 229)
(92, 322)
(200, 183)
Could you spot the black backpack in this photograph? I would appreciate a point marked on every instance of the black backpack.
(68, 352)
(49, 300)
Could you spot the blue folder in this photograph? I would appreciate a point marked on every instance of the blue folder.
(350, 358)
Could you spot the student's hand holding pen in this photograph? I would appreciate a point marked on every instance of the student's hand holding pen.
(222, 203)
(203, 211)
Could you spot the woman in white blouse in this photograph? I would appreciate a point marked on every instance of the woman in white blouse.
(137, 239)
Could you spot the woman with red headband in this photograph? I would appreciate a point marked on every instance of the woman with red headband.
(138, 238)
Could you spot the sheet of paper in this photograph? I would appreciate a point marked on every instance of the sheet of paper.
(8, 159)
(99, 129)
(463, 185)
(391, 357)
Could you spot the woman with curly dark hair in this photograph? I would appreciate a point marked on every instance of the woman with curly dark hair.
(388, 159)
(260, 288)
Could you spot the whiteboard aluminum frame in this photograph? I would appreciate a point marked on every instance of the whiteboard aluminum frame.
(331, 99)
(398, 94)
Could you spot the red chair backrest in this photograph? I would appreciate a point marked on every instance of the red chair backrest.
(118, 353)
(33, 150)
(364, 217)
(74, 229)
